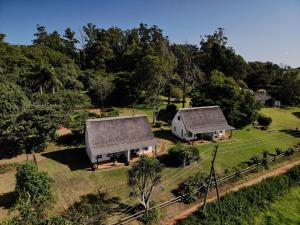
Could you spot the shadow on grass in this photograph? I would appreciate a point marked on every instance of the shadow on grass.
(75, 159)
(294, 133)
(7, 199)
(8, 151)
(166, 134)
(297, 114)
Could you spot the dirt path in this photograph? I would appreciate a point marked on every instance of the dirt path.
(275, 172)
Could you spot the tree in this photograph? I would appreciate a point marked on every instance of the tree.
(70, 43)
(144, 176)
(34, 194)
(215, 55)
(153, 74)
(32, 129)
(13, 101)
(287, 88)
(189, 73)
(183, 155)
(238, 104)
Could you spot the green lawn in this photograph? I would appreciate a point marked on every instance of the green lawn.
(285, 211)
(73, 178)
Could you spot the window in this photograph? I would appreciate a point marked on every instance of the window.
(178, 117)
(181, 133)
(99, 156)
(174, 128)
(146, 148)
(108, 155)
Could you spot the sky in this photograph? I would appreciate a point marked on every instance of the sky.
(259, 30)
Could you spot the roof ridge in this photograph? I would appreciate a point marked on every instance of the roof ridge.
(200, 107)
(115, 118)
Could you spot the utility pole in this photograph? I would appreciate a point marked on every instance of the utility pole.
(213, 174)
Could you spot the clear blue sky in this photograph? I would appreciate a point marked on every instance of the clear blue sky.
(265, 30)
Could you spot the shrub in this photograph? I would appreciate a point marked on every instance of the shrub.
(158, 124)
(113, 113)
(278, 151)
(264, 120)
(182, 155)
(193, 188)
(289, 152)
(152, 217)
(265, 153)
(255, 159)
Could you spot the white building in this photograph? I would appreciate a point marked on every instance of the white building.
(111, 138)
(195, 123)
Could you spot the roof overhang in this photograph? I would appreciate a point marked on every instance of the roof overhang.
(123, 147)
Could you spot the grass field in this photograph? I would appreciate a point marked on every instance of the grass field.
(72, 176)
(285, 211)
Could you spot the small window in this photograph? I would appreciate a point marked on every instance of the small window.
(174, 128)
(99, 156)
(178, 117)
(108, 155)
(146, 148)
(181, 133)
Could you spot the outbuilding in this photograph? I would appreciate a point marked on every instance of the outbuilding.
(111, 138)
(196, 123)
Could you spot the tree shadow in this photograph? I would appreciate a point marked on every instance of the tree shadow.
(294, 133)
(7, 199)
(8, 150)
(74, 158)
(297, 114)
(167, 135)
(166, 160)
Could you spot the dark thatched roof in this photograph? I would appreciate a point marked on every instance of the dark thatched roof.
(116, 134)
(204, 119)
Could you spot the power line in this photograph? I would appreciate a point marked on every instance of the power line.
(227, 147)
(263, 141)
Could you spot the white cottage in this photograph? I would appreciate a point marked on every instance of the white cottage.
(195, 123)
(113, 137)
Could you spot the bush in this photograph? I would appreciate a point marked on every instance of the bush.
(182, 155)
(193, 188)
(264, 120)
(152, 217)
(158, 124)
(289, 152)
(278, 151)
(113, 113)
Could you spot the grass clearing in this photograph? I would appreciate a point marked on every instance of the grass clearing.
(72, 176)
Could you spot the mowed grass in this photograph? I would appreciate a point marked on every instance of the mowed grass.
(74, 179)
(284, 211)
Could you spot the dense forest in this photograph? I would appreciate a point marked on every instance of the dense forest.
(44, 84)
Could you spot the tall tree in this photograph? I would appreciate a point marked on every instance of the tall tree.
(32, 129)
(70, 43)
(189, 73)
(144, 176)
(238, 104)
(215, 55)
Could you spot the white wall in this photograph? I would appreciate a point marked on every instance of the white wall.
(178, 128)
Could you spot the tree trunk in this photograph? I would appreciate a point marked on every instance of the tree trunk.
(154, 117)
(41, 89)
(169, 95)
(183, 92)
(53, 90)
